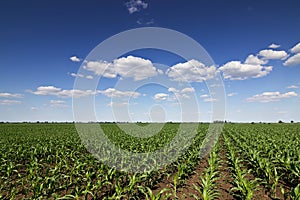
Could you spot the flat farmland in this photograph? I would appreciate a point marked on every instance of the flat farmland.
(246, 161)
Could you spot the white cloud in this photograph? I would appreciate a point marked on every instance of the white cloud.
(135, 6)
(134, 67)
(186, 96)
(174, 90)
(269, 54)
(76, 93)
(74, 59)
(160, 96)
(81, 76)
(145, 21)
(57, 103)
(102, 68)
(185, 92)
(51, 90)
(235, 70)
(117, 104)
(254, 60)
(281, 112)
(207, 98)
(215, 85)
(10, 95)
(89, 77)
(113, 93)
(9, 102)
(47, 90)
(296, 48)
(292, 87)
(160, 71)
(128, 67)
(294, 60)
(191, 71)
(77, 75)
(274, 46)
(271, 96)
(188, 90)
(231, 94)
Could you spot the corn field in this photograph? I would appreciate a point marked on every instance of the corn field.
(248, 161)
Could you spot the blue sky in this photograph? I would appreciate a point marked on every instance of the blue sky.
(254, 45)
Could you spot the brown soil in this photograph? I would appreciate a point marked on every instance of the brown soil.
(224, 182)
(187, 190)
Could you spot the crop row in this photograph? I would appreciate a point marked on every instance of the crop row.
(53, 161)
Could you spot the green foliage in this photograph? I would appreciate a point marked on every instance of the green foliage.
(207, 188)
(49, 161)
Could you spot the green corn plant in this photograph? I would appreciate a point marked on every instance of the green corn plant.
(275, 182)
(295, 193)
(207, 187)
(151, 196)
(284, 193)
(42, 161)
(119, 192)
(175, 184)
(244, 188)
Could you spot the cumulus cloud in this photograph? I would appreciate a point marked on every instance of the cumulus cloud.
(207, 98)
(296, 48)
(235, 70)
(271, 96)
(135, 6)
(117, 104)
(174, 90)
(294, 60)
(269, 54)
(47, 90)
(81, 76)
(134, 67)
(292, 87)
(57, 103)
(34, 108)
(54, 91)
(102, 68)
(113, 93)
(74, 59)
(77, 75)
(7, 102)
(184, 93)
(10, 95)
(188, 90)
(215, 85)
(76, 93)
(159, 71)
(89, 77)
(128, 67)
(191, 71)
(145, 21)
(254, 60)
(160, 96)
(231, 94)
(274, 46)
